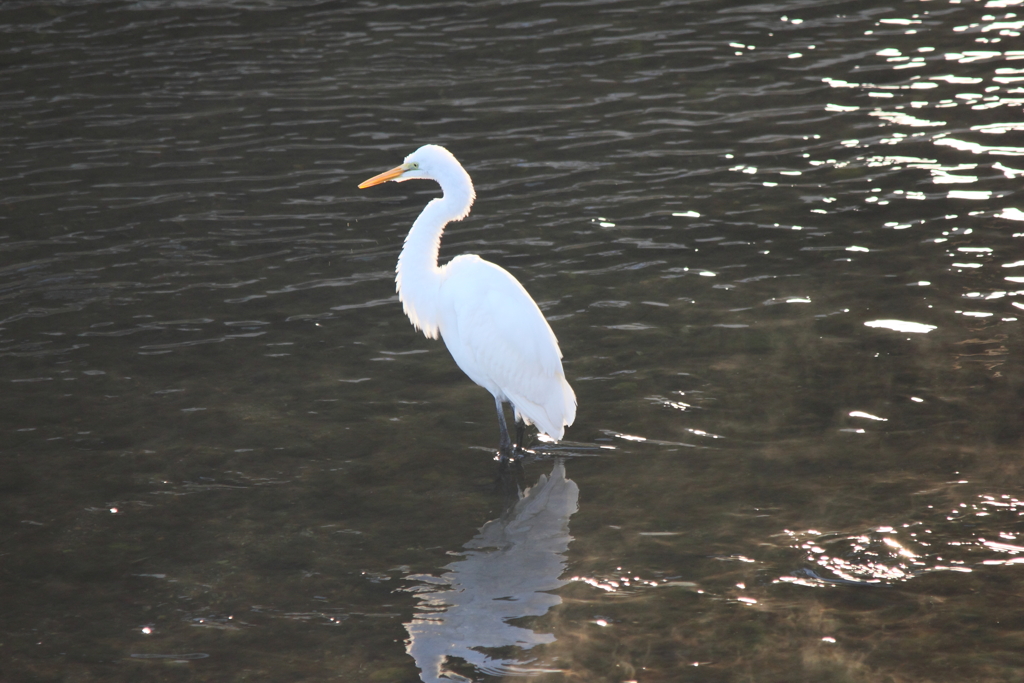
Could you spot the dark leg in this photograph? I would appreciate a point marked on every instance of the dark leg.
(510, 472)
(505, 443)
(520, 431)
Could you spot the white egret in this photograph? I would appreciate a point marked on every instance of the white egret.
(491, 326)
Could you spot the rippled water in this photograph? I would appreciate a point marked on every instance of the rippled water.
(781, 246)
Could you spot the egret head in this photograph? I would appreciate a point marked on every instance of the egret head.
(429, 161)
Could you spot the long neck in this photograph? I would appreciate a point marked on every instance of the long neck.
(418, 275)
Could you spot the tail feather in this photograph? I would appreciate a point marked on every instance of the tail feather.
(552, 416)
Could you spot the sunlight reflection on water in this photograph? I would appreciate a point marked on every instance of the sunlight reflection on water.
(971, 534)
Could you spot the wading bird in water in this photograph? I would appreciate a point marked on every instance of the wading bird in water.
(491, 326)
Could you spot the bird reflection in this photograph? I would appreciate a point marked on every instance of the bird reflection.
(505, 573)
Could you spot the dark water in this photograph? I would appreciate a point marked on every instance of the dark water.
(781, 245)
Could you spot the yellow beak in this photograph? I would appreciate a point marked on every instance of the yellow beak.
(383, 177)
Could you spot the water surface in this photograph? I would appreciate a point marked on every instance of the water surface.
(780, 244)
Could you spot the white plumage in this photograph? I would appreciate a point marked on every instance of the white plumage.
(491, 326)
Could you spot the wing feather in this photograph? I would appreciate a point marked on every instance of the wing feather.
(500, 338)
